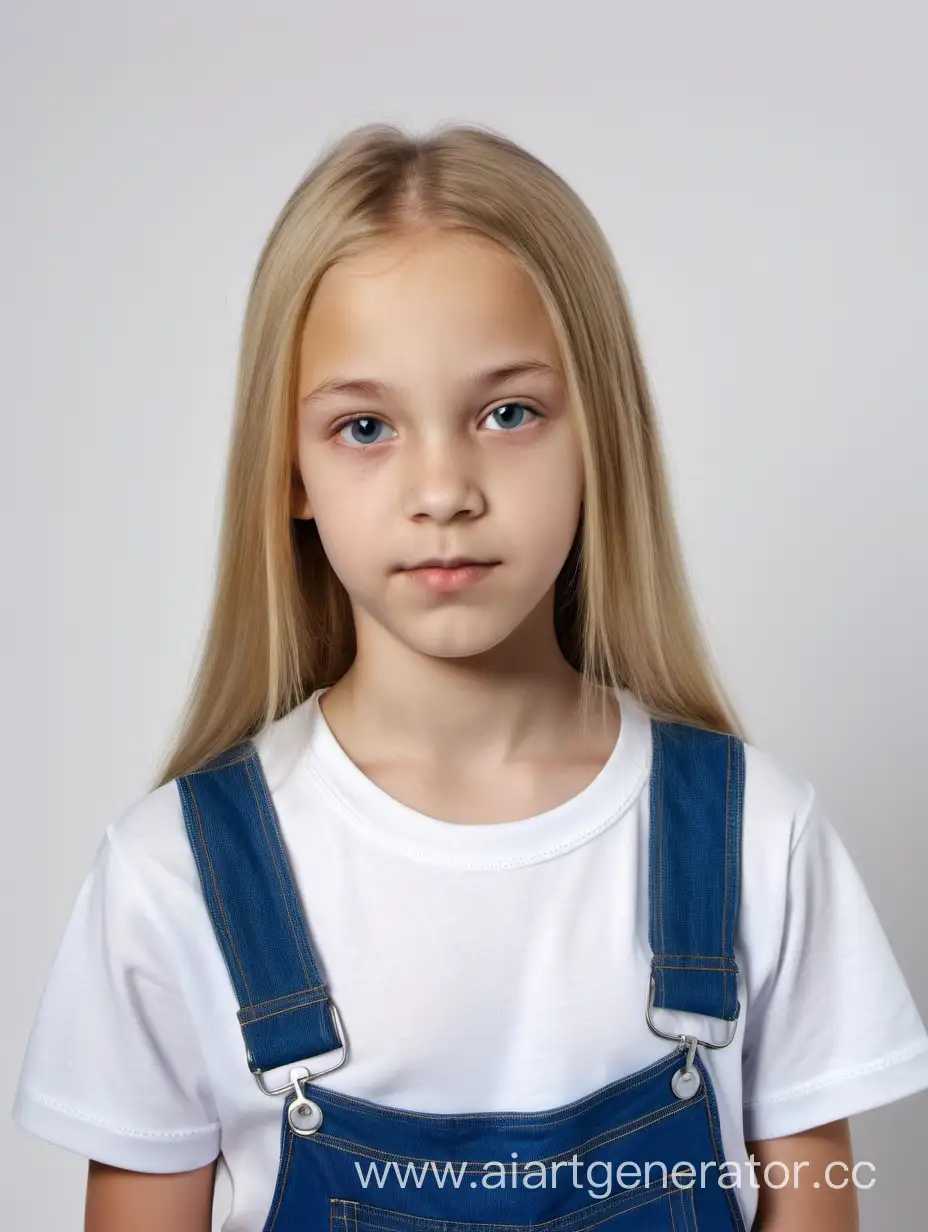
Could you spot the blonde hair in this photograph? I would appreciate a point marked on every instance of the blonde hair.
(280, 624)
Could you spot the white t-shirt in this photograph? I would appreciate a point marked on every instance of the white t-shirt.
(476, 968)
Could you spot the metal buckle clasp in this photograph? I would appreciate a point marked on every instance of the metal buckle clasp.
(683, 1039)
(304, 1074)
(686, 1082)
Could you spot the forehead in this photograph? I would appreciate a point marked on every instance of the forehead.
(432, 293)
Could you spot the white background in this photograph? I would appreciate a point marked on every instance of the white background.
(761, 173)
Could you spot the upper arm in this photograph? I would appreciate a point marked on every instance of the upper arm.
(122, 1201)
(831, 1027)
(115, 1009)
(806, 1182)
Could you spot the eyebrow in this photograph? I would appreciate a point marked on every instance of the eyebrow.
(362, 387)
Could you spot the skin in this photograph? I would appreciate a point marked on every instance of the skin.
(803, 1207)
(121, 1201)
(468, 704)
(472, 681)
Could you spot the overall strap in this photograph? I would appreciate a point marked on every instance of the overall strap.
(284, 1007)
(696, 804)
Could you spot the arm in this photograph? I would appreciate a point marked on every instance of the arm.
(799, 1206)
(121, 1201)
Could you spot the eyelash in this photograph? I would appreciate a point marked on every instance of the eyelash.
(344, 423)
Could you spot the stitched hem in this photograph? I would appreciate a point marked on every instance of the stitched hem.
(845, 1075)
(837, 1096)
(139, 1150)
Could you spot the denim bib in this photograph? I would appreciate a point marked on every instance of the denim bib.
(502, 1171)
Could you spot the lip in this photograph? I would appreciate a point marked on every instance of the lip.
(438, 578)
(450, 562)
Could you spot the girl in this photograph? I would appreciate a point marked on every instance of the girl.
(462, 901)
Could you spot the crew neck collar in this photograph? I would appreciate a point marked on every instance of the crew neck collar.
(389, 823)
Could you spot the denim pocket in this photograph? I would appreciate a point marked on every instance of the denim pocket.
(652, 1209)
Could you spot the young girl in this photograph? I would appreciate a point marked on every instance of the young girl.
(462, 902)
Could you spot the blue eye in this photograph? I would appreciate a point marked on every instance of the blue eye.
(367, 424)
(367, 421)
(505, 407)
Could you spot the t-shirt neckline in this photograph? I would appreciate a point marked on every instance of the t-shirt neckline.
(393, 825)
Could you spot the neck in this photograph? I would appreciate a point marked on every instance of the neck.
(517, 701)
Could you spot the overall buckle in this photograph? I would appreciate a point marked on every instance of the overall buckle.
(663, 1034)
(685, 1082)
(302, 1072)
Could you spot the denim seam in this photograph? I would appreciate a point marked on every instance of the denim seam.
(723, 943)
(720, 957)
(660, 851)
(290, 1009)
(733, 885)
(216, 888)
(342, 1207)
(665, 966)
(659, 965)
(575, 1221)
(712, 1118)
(688, 1197)
(300, 999)
(281, 1185)
(673, 1222)
(333, 1142)
(518, 1119)
(283, 874)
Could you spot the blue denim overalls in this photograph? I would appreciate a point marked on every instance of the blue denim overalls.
(497, 1171)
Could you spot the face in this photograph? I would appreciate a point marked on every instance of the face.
(413, 442)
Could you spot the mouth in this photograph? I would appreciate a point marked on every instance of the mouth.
(446, 578)
(453, 562)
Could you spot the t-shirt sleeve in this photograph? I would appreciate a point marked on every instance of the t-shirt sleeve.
(113, 1069)
(835, 1029)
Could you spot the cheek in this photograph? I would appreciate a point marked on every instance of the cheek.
(539, 525)
(329, 487)
(554, 525)
(549, 494)
(352, 533)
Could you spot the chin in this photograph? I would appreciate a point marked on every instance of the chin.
(476, 634)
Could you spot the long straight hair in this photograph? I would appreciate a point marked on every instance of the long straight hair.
(280, 623)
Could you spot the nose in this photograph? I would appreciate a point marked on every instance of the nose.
(443, 482)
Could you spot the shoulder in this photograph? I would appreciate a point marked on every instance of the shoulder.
(150, 833)
(778, 802)
(149, 839)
